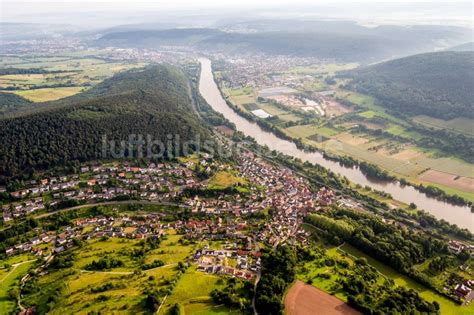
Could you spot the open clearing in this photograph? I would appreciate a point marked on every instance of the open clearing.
(304, 299)
(459, 182)
(407, 154)
(336, 109)
(460, 125)
(223, 180)
(49, 94)
(351, 139)
(193, 291)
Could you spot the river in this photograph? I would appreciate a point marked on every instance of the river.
(458, 215)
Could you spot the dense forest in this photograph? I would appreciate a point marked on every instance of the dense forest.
(278, 272)
(152, 102)
(396, 247)
(11, 70)
(434, 84)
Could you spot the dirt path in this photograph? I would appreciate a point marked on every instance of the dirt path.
(123, 272)
(255, 293)
(109, 272)
(14, 268)
(303, 299)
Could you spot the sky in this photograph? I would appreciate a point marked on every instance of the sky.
(117, 11)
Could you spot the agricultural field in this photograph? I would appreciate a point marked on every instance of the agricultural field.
(461, 183)
(303, 299)
(368, 103)
(324, 68)
(364, 131)
(460, 125)
(240, 96)
(63, 75)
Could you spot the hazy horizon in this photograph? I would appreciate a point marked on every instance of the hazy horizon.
(106, 13)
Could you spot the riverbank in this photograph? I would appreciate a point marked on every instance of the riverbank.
(458, 215)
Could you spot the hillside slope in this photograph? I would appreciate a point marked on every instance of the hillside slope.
(152, 102)
(463, 47)
(434, 84)
(10, 102)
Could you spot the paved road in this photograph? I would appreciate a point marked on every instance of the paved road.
(105, 203)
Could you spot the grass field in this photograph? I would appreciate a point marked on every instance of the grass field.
(245, 99)
(466, 195)
(170, 251)
(49, 94)
(461, 183)
(367, 114)
(305, 131)
(76, 290)
(224, 179)
(10, 278)
(193, 292)
(193, 158)
(327, 68)
(368, 103)
(461, 125)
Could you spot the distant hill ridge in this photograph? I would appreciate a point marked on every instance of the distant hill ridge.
(463, 47)
(342, 41)
(434, 84)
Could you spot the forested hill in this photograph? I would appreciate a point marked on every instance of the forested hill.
(152, 102)
(434, 84)
(10, 102)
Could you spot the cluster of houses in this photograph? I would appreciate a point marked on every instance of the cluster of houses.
(231, 262)
(231, 228)
(138, 227)
(457, 247)
(11, 211)
(272, 188)
(287, 195)
(254, 70)
(154, 182)
(462, 290)
(465, 291)
(31, 246)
